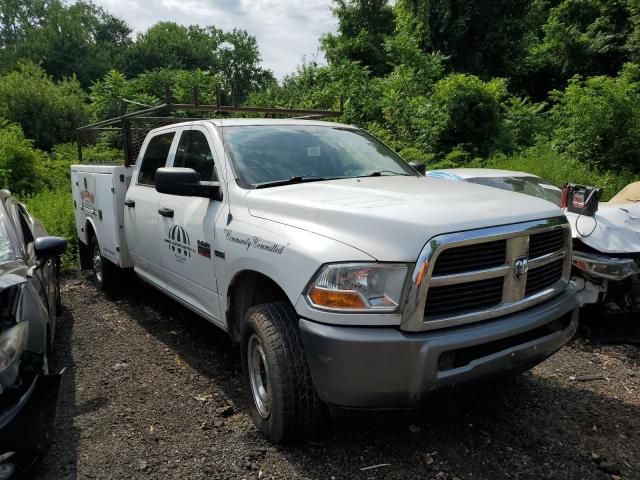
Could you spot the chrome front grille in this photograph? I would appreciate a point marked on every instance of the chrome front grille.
(480, 274)
(545, 242)
(471, 257)
(544, 277)
(449, 299)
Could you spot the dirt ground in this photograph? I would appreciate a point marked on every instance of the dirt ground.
(151, 391)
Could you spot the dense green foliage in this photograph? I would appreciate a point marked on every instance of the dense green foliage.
(363, 26)
(550, 87)
(48, 111)
(77, 39)
(18, 160)
(55, 209)
(232, 57)
(597, 120)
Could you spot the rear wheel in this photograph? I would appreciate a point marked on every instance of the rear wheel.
(104, 272)
(283, 400)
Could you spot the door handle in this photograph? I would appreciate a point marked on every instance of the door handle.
(130, 203)
(166, 212)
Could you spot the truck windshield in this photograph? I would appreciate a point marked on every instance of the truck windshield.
(268, 154)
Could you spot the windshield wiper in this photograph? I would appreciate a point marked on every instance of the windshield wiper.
(291, 181)
(378, 173)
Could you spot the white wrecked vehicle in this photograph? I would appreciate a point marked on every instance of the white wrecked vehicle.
(606, 246)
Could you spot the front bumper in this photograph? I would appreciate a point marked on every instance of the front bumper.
(379, 367)
(26, 427)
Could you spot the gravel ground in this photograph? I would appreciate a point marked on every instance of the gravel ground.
(152, 391)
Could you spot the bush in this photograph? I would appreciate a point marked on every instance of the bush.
(18, 160)
(47, 111)
(598, 120)
(463, 113)
(55, 209)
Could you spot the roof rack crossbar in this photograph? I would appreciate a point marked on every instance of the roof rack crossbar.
(122, 123)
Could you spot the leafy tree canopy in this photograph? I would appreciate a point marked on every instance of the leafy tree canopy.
(48, 111)
(233, 57)
(487, 38)
(363, 27)
(79, 39)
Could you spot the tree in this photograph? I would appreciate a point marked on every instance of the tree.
(48, 111)
(363, 27)
(18, 160)
(17, 18)
(239, 59)
(580, 37)
(596, 120)
(233, 57)
(634, 39)
(80, 39)
(463, 113)
(172, 46)
(485, 38)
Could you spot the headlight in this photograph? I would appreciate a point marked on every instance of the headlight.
(612, 268)
(358, 287)
(12, 343)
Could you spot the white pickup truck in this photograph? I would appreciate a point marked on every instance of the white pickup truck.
(349, 279)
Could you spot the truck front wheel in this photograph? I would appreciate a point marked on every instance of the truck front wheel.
(283, 400)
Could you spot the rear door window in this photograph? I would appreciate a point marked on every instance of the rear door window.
(155, 157)
(194, 152)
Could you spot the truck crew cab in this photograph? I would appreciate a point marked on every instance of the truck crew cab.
(348, 278)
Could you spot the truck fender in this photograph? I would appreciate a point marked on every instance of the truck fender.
(89, 226)
(247, 288)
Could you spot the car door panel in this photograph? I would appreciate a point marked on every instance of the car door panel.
(142, 228)
(188, 235)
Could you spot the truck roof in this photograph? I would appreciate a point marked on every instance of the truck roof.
(233, 122)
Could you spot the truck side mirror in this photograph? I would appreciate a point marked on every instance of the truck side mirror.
(185, 182)
(48, 247)
(420, 167)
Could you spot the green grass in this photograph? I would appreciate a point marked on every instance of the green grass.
(55, 209)
(559, 169)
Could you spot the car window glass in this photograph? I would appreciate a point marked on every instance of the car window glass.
(6, 251)
(268, 153)
(155, 157)
(194, 152)
(25, 228)
(533, 186)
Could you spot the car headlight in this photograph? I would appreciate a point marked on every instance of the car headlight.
(611, 268)
(12, 343)
(358, 287)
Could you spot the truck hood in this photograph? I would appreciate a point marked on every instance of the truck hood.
(391, 218)
(615, 228)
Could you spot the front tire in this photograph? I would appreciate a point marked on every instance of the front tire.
(283, 401)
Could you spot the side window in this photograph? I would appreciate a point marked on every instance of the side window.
(155, 157)
(194, 152)
(25, 225)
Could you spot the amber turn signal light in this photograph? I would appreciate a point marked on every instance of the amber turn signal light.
(422, 272)
(336, 299)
